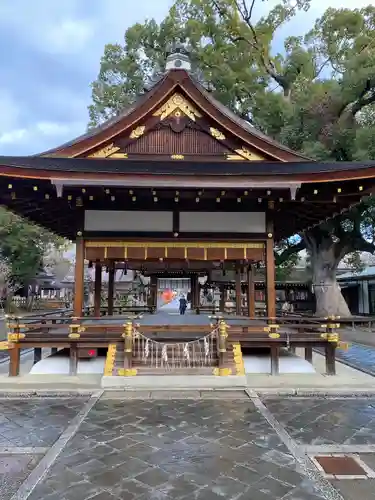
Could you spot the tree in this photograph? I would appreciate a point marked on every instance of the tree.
(315, 95)
(22, 248)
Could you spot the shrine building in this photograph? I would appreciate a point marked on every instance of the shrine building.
(178, 183)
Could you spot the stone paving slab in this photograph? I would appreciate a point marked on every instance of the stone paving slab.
(326, 421)
(210, 445)
(35, 421)
(14, 469)
(174, 449)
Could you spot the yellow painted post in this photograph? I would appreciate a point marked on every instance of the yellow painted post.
(332, 337)
(223, 334)
(128, 371)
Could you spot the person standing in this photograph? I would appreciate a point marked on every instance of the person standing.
(183, 305)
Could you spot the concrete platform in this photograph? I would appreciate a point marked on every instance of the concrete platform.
(174, 382)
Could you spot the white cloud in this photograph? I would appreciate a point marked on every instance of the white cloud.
(36, 136)
(13, 136)
(9, 111)
(67, 36)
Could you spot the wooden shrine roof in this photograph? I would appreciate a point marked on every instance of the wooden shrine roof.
(179, 137)
(206, 114)
(41, 167)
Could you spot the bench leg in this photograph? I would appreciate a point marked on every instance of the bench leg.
(37, 355)
(14, 361)
(308, 354)
(274, 360)
(330, 359)
(73, 359)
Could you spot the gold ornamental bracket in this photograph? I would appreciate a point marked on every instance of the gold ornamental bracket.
(244, 154)
(105, 152)
(272, 330)
(137, 132)
(4, 345)
(75, 331)
(177, 105)
(217, 134)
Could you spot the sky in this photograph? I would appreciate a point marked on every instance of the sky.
(50, 53)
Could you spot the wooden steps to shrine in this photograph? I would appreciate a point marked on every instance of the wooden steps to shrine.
(177, 365)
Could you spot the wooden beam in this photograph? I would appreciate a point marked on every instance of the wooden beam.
(79, 278)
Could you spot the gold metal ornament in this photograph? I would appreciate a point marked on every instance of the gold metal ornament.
(105, 152)
(248, 155)
(177, 103)
(217, 134)
(137, 132)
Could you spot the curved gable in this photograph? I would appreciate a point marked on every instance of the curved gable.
(177, 119)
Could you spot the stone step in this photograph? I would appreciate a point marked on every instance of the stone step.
(197, 369)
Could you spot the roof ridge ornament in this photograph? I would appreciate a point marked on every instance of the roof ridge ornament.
(178, 56)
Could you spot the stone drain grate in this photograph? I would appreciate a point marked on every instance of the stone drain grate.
(342, 466)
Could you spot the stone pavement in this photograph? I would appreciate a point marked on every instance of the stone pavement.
(359, 356)
(201, 445)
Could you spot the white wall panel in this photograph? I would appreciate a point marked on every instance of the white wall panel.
(223, 222)
(116, 220)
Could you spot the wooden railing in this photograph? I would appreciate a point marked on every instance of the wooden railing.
(74, 333)
(120, 310)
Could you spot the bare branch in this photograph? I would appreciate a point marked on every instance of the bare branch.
(322, 66)
(282, 257)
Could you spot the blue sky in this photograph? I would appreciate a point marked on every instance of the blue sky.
(50, 53)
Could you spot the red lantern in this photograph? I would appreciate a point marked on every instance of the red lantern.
(168, 296)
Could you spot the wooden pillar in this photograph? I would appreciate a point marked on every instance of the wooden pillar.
(223, 293)
(154, 291)
(250, 292)
(73, 359)
(111, 288)
(238, 291)
(270, 272)
(79, 278)
(275, 352)
(308, 354)
(330, 352)
(192, 291)
(97, 289)
(14, 361)
(197, 291)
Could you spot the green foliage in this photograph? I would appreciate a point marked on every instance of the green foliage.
(22, 246)
(316, 96)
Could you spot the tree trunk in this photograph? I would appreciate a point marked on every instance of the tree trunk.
(325, 259)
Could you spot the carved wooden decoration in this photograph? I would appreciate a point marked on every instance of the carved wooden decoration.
(217, 134)
(244, 154)
(137, 132)
(176, 106)
(123, 156)
(105, 152)
(248, 155)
